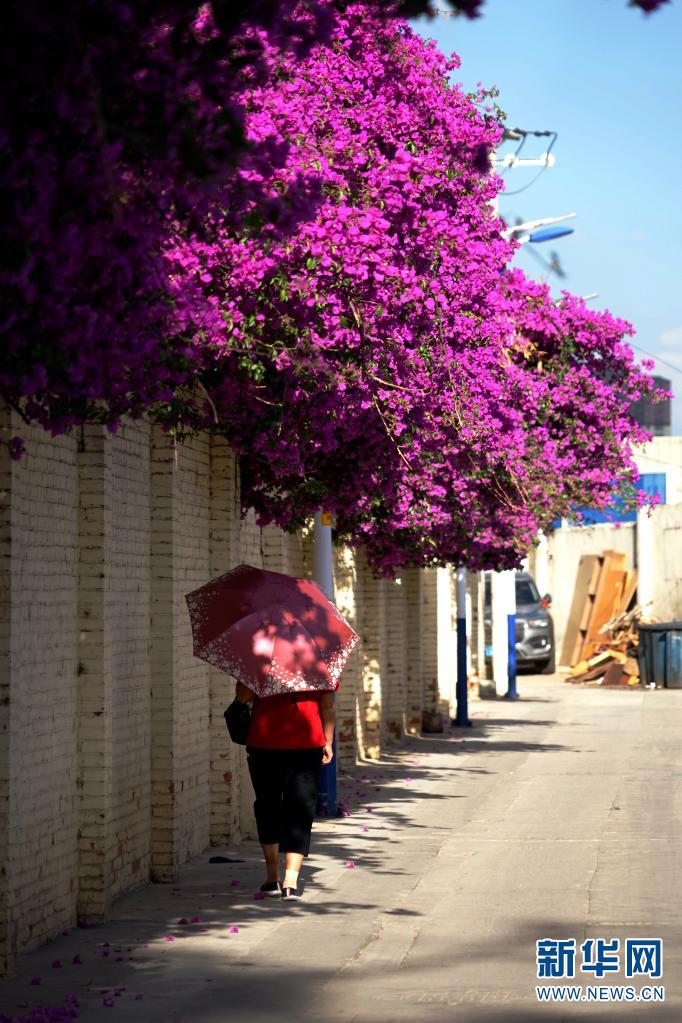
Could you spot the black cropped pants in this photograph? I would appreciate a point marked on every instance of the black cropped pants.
(285, 782)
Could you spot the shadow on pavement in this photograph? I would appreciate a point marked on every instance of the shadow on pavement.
(213, 978)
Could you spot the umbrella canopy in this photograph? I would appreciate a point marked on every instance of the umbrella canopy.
(273, 632)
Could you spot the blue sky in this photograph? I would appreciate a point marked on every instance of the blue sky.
(608, 79)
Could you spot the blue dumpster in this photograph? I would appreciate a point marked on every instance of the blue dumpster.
(660, 654)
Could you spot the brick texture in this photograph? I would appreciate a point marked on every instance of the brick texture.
(430, 641)
(115, 763)
(39, 700)
(129, 568)
(348, 600)
(114, 666)
(251, 552)
(7, 933)
(395, 663)
(180, 682)
(446, 638)
(475, 593)
(224, 544)
(372, 634)
(414, 697)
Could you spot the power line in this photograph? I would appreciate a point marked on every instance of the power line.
(658, 358)
(516, 152)
(506, 195)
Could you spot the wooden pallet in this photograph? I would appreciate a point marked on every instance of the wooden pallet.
(629, 592)
(604, 588)
(607, 599)
(586, 581)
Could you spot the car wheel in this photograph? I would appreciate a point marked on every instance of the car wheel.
(549, 667)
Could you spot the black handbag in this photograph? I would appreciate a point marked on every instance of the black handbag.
(238, 719)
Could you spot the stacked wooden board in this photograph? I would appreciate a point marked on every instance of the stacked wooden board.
(597, 642)
(617, 663)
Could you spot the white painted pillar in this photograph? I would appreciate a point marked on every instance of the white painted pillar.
(323, 570)
(446, 638)
(503, 604)
(323, 573)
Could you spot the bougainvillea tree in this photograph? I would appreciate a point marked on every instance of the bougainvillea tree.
(112, 118)
(338, 304)
(377, 358)
(116, 119)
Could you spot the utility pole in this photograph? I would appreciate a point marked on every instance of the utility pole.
(503, 584)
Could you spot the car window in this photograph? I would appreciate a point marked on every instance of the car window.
(526, 592)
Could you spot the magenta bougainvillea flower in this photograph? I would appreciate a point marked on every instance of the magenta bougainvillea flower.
(115, 119)
(648, 6)
(376, 356)
(334, 296)
(65, 1012)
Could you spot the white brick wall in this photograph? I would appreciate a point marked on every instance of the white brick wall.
(371, 704)
(251, 552)
(224, 543)
(192, 569)
(430, 640)
(180, 686)
(395, 670)
(115, 764)
(348, 600)
(129, 566)
(40, 641)
(114, 665)
(7, 936)
(95, 676)
(414, 699)
(476, 633)
(446, 626)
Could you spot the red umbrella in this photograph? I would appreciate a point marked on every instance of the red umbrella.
(273, 632)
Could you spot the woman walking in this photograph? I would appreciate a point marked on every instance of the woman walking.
(289, 740)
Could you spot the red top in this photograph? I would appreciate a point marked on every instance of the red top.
(286, 721)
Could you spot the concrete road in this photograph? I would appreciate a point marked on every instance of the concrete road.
(557, 816)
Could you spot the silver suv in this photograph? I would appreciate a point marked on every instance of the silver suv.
(534, 625)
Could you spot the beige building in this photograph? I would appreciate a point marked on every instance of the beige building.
(653, 544)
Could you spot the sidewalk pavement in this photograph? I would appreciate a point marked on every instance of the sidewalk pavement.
(555, 816)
